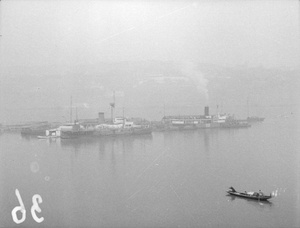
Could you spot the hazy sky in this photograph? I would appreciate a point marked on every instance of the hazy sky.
(76, 35)
(43, 32)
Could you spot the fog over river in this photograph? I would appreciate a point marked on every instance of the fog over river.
(61, 60)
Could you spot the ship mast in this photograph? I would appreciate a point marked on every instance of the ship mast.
(71, 110)
(76, 115)
(248, 107)
(112, 106)
(123, 118)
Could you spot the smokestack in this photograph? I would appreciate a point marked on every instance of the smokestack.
(206, 111)
(101, 117)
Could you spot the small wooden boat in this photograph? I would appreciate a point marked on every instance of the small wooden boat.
(249, 195)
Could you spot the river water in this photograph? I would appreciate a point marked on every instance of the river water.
(169, 179)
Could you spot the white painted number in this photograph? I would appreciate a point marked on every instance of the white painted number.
(36, 200)
(19, 208)
(35, 207)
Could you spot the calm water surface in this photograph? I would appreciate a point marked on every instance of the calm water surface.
(171, 179)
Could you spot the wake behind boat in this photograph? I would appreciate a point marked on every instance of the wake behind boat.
(249, 195)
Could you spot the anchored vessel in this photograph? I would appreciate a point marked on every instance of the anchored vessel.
(100, 128)
(255, 119)
(249, 195)
(121, 126)
(186, 122)
(135, 126)
(74, 130)
(35, 128)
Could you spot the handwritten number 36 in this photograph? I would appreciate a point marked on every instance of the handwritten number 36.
(36, 199)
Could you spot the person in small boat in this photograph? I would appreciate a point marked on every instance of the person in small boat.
(232, 189)
(255, 194)
(260, 193)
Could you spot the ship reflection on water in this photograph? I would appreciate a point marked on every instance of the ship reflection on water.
(104, 144)
(81, 142)
(256, 203)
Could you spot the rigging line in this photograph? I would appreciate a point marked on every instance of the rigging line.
(150, 165)
(182, 203)
(135, 27)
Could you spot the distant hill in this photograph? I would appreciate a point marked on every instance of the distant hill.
(145, 89)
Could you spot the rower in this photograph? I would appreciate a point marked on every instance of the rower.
(260, 193)
(232, 189)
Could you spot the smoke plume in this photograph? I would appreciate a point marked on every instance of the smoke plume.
(190, 70)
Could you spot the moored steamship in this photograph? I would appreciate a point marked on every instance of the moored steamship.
(185, 122)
